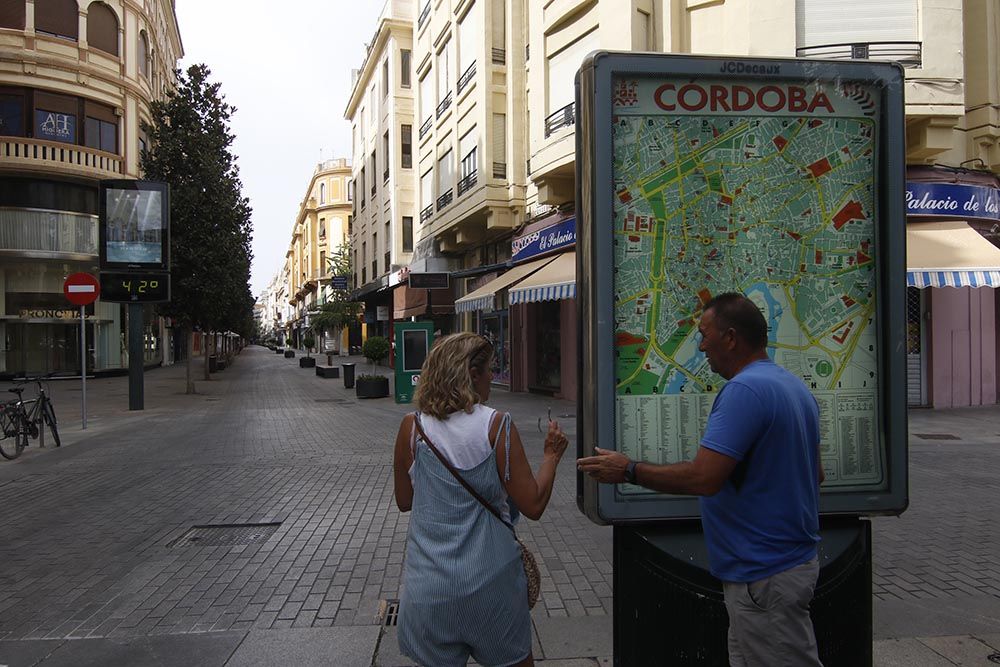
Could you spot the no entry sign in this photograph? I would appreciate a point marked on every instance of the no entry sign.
(81, 289)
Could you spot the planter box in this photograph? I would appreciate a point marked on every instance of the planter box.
(307, 362)
(289, 354)
(372, 387)
(328, 371)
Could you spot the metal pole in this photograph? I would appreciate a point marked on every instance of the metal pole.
(83, 367)
(135, 356)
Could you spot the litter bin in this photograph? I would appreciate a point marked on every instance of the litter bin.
(348, 375)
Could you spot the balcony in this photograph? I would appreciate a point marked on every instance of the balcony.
(425, 128)
(36, 154)
(560, 119)
(466, 77)
(443, 106)
(467, 183)
(907, 54)
(499, 56)
(426, 214)
(424, 13)
(444, 199)
(499, 170)
(48, 231)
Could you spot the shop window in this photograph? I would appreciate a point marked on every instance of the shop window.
(102, 28)
(11, 115)
(12, 14)
(59, 18)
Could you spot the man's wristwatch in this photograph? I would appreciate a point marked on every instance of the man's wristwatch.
(630, 472)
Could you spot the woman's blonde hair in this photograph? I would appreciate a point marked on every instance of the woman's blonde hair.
(446, 376)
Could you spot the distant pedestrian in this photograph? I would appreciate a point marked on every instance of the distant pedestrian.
(464, 587)
(759, 472)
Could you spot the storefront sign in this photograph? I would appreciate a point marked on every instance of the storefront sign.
(54, 126)
(382, 313)
(48, 313)
(559, 235)
(952, 200)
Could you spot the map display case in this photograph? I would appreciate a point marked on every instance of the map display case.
(779, 179)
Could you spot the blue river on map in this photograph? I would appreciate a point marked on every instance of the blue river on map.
(773, 314)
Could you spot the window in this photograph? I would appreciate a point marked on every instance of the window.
(350, 219)
(499, 25)
(500, 145)
(426, 94)
(468, 40)
(361, 127)
(101, 134)
(374, 179)
(467, 149)
(642, 39)
(361, 183)
(322, 228)
(12, 14)
(374, 254)
(350, 191)
(444, 173)
(404, 68)
(406, 146)
(385, 78)
(323, 268)
(442, 72)
(102, 28)
(11, 115)
(143, 48)
(322, 193)
(60, 18)
(850, 21)
(407, 233)
(385, 156)
(562, 68)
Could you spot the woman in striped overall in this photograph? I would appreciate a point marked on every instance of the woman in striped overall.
(464, 590)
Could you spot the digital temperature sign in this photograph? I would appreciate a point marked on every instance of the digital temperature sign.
(135, 287)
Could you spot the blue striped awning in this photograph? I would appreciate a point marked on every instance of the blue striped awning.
(484, 298)
(556, 281)
(950, 253)
(953, 278)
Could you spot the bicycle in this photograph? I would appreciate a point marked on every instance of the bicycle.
(20, 421)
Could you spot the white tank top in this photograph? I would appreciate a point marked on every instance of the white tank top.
(463, 438)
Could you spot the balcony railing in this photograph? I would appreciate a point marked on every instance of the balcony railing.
(426, 214)
(907, 54)
(374, 189)
(499, 56)
(444, 104)
(562, 118)
(424, 13)
(21, 153)
(466, 77)
(444, 199)
(385, 175)
(467, 183)
(426, 127)
(499, 170)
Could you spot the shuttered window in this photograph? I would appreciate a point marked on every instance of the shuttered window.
(468, 40)
(426, 191)
(102, 28)
(445, 174)
(498, 24)
(12, 14)
(819, 22)
(499, 139)
(426, 97)
(442, 72)
(57, 17)
(562, 68)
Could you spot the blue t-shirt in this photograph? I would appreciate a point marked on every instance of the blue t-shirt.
(765, 519)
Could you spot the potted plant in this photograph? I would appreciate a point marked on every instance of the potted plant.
(373, 385)
(307, 361)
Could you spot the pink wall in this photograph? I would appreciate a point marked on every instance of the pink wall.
(567, 331)
(963, 347)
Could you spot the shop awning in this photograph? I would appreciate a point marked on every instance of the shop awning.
(950, 254)
(484, 298)
(556, 281)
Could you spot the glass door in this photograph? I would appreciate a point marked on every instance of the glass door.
(494, 327)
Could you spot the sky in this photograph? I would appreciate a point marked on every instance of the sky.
(290, 84)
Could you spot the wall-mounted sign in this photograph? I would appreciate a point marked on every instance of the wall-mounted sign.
(53, 126)
(382, 313)
(440, 280)
(953, 200)
(554, 237)
(338, 282)
(48, 313)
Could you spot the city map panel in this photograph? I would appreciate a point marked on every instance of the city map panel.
(764, 189)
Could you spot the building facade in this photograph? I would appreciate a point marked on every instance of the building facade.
(76, 82)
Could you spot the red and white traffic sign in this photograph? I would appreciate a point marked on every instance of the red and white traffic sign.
(82, 289)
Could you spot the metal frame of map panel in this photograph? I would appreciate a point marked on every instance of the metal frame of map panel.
(135, 263)
(597, 409)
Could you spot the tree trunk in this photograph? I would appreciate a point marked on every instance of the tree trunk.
(189, 380)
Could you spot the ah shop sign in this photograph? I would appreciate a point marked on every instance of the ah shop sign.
(543, 241)
(952, 200)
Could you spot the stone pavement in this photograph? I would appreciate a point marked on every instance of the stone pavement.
(97, 567)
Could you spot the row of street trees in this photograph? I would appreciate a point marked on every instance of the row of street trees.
(210, 231)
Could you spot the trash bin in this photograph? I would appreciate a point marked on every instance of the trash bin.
(348, 375)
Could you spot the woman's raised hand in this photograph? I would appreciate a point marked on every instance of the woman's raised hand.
(555, 441)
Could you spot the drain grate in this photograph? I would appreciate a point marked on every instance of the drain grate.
(937, 436)
(388, 612)
(226, 535)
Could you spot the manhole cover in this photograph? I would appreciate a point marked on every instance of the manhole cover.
(388, 612)
(226, 535)
(937, 436)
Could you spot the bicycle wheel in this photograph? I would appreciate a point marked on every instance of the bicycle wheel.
(49, 415)
(12, 446)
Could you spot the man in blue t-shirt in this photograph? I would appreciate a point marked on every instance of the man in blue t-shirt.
(758, 473)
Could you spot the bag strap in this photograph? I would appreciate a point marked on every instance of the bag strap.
(461, 480)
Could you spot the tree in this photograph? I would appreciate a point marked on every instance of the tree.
(210, 230)
(337, 311)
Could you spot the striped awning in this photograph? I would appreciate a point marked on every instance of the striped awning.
(950, 254)
(484, 298)
(556, 281)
